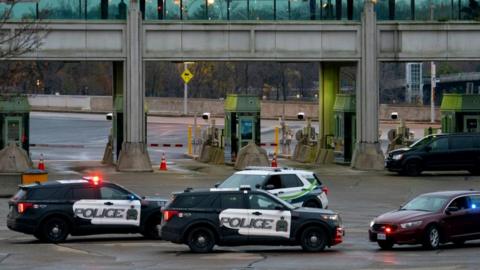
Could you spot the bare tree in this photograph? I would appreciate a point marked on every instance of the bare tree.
(26, 36)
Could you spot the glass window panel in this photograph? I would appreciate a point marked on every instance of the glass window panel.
(283, 9)
(152, 8)
(54, 9)
(172, 9)
(117, 9)
(194, 10)
(21, 10)
(217, 9)
(300, 10)
(93, 10)
(261, 9)
(239, 10)
(327, 9)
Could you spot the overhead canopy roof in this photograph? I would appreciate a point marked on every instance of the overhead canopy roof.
(461, 103)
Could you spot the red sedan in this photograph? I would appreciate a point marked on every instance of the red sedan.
(430, 219)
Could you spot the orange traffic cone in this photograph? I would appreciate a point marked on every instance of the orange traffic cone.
(274, 160)
(41, 164)
(163, 164)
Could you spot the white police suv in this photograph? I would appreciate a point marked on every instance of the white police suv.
(298, 187)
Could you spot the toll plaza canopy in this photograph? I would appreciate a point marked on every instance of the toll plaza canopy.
(240, 10)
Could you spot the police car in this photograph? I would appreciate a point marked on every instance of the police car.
(298, 187)
(232, 217)
(53, 210)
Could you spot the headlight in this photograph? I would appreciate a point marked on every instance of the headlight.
(412, 224)
(372, 223)
(330, 217)
(397, 157)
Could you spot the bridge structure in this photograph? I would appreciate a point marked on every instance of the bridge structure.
(146, 31)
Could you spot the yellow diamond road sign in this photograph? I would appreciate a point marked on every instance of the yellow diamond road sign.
(187, 75)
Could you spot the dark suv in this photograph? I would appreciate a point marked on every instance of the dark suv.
(53, 210)
(437, 153)
(232, 217)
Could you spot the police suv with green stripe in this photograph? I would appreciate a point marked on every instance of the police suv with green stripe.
(298, 187)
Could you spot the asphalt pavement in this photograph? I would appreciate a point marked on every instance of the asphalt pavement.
(358, 196)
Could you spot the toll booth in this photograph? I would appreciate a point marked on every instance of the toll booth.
(344, 111)
(242, 123)
(14, 121)
(460, 113)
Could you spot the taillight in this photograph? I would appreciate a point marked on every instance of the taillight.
(325, 189)
(388, 230)
(23, 206)
(169, 214)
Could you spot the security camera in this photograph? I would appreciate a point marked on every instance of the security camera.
(206, 116)
(109, 116)
(394, 115)
(301, 115)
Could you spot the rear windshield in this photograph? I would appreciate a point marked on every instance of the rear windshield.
(192, 201)
(20, 195)
(237, 180)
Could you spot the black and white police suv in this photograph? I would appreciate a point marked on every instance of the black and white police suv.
(53, 210)
(298, 187)
(232, 217)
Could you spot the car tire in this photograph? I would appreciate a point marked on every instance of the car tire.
(312, 204)
(313, 239)
(54, 230)
(150, 230)
(385, 245)
(412, 168)
(432, 237)
(201, 240)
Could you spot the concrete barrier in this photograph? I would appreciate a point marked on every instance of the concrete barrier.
(9, 184)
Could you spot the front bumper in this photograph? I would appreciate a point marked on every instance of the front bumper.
(393, 165)
(410, 236)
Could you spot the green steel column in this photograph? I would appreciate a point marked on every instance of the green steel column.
(329, 86)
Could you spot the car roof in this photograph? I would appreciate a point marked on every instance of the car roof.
(59, 183)
(269, 171)
(218, 190)
(453, 193)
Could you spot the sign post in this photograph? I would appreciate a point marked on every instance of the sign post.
(186, 76)
(432, 92)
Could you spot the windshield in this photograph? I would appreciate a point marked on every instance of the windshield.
(422, 142)
(236, 180)
(426, 203)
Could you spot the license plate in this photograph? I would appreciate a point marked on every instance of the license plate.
(381, 236)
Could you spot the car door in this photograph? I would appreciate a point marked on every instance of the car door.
(474, 205)
(457, 221)
(292, 188)
(270, 220)
(115, 206)
(436, 154)
(233, 218)
(462, 153)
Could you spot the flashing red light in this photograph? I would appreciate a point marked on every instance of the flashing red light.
(169, 214)
(22, 207)
(96, 180)
(388, 230)
(325, 189)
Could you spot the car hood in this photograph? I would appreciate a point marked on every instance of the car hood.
(401, 216)
(398, 151)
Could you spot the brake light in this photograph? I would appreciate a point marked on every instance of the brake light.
(22, 207)
(388, 230)
(325, 189)
(169, 214)
(338, 236)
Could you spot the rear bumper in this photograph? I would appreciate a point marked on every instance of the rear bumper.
(399, 237)
(170, 234)
(22, 225)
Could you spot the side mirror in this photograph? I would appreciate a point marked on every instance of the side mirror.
(258, 186)
(217, 184)
(279, 208)
(109, 116)
(427, 148)
(269, 187)
(131, 197)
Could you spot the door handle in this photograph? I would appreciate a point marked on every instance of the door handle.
(257, 213)
(108, 203)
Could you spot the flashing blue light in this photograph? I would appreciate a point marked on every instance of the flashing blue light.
(474, 206)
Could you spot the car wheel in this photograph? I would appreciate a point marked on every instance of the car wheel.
(413, 168)
(385, 245)
(312, 204)
(313, 239)
(432, 238)
(150, 231)
(201, 240)
(54, 230)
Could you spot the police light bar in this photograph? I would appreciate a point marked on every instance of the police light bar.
(94, 179)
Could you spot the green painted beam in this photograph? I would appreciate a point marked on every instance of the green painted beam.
(329, 87)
